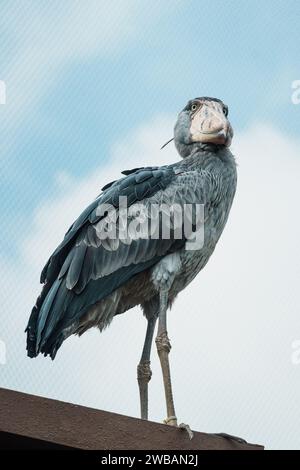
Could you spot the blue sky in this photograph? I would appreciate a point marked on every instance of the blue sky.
(153, 57)
(94, 87)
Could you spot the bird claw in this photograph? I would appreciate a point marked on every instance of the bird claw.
(231, 438)
(172, 421)
(187, 429)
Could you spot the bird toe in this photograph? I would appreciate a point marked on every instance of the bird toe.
(187, 428)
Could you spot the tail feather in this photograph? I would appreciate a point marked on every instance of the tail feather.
(31, 328)
(44, 329)
(58, 310)
(44, 312)
(52, 345)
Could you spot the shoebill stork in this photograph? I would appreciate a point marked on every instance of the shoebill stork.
(89, 279)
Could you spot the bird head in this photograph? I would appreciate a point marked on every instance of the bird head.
(202, 123)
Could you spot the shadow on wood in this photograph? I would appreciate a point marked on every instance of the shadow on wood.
(31, 422)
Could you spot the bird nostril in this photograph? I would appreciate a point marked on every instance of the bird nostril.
(211, 127)
(223, 132)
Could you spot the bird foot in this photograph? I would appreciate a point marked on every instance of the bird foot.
(187, 428)
(231, 438)
(172, 421)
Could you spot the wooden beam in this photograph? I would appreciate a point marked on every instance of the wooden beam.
(28, 421)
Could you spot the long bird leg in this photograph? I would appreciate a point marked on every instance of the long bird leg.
(163, 349)
(143, 369)
(163, 346)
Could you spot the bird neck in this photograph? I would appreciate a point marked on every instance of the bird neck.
(185, 150)
(206, 156)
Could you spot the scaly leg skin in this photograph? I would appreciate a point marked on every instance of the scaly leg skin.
(163, 348)
(144, 374)
(143, 369)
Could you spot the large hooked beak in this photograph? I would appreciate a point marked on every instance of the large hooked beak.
(210, 125)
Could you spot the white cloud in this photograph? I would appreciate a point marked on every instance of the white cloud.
(232, 329)
(52, 219)
(48, 39)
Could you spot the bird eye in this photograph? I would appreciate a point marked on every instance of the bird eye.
(194, 107)
(225, 110)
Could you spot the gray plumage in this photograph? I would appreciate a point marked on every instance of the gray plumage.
(87, 281)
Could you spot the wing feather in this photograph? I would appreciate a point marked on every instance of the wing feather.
(86, 268)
